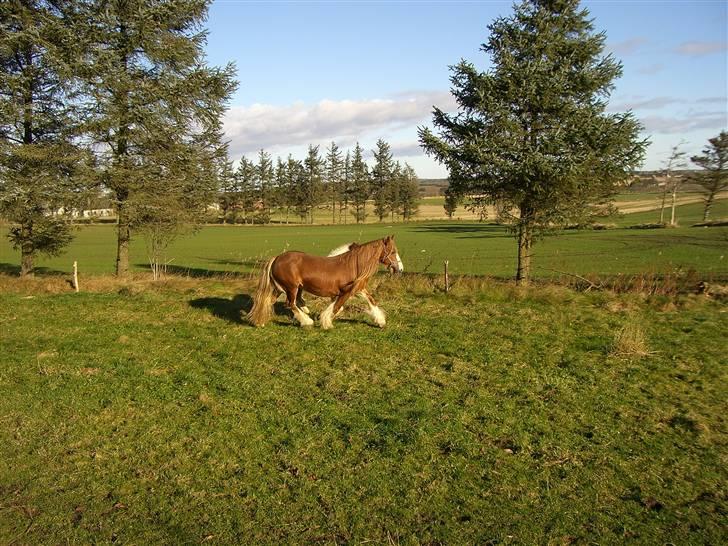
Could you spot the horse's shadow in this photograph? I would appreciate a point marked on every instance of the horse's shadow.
(234, 309)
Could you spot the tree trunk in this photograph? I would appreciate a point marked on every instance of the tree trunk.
(123, 238)
(662, 206)
(672, 212)
(708, 205)
(525, 241)
(26, 251)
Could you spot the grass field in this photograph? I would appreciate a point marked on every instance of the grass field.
(150, 414)
(470, 247)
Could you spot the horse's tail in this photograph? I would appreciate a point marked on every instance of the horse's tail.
(263, 298)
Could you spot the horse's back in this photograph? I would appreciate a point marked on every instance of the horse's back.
(319, 275)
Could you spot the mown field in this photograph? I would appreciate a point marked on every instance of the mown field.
(145, 413)
(470, 247)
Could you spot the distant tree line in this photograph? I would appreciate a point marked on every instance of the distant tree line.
(336, 181)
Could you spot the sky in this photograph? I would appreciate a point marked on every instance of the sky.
(317, 72)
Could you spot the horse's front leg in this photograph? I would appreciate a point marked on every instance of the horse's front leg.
(374, 310)
(328, 314)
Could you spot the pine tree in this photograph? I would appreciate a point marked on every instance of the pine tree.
(294, 168)
(409, 193)
(345, 189)
(264, 176)
(533, 131)
(41, 168)
(452, 200)
(381, 179)
(247, 195)
(333, 177)
(313, 167)
(360, 184)
(157, 106)
(714, 177)
(227, 196)
(279, 186)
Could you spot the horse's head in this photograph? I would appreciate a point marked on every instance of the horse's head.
(390, 256)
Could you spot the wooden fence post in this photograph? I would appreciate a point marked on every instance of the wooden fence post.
(447, 278)
(75, 276)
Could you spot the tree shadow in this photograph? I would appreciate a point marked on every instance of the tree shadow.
(468, 231)
(196, 272)
(14, 270)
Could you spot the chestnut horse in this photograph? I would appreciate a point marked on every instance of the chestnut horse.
(345, 272)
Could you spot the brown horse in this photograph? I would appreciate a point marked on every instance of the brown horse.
(337, 276)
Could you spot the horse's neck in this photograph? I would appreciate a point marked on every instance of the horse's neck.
(365, 259)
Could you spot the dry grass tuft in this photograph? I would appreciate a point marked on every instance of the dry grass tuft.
(630, 342)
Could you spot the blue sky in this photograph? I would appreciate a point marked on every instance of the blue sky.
(313, 72)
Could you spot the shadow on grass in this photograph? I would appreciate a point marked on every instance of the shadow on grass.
(234, 309)
(231, 310)
(467, 231)
(197, 272)
(13, 269)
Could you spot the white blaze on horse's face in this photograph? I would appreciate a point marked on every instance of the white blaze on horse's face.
(400, 265)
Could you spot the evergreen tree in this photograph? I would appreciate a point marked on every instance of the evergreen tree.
(409, 193)
(294, 171)
(41, 168)
(381, 179)
(345, 189)
(264, 176)
(157, 106)
(333, 177)
(393, 190)
(313, 168)
(227, 196)
(247, 195)
(279, 186)
(452, 200)
(533, 131)
(360, 185)
(714, 177)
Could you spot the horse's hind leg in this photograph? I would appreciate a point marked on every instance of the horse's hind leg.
(374, 310)
(298, 314)
(300, 302)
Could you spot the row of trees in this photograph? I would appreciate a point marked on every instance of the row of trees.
(341, 182)
(112, 95)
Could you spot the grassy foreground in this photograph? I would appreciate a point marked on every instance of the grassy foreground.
(142, 414)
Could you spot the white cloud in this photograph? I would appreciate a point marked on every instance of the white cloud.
(280, 128)
(696, 121)
(654, 103)
(696, 49)
(627, 47)
(651, 69)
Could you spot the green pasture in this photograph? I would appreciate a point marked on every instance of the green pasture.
(470, 247)
(489, 415)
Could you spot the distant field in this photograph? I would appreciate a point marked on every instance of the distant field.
(470, 247)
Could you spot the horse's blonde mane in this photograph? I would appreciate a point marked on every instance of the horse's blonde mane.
(340, 250)
(367, 259)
